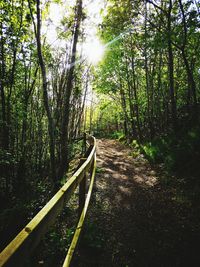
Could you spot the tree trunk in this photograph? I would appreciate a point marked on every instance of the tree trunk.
(37, 29)
(123, 104)
(191, 81)
(3, 98)
(130, 99)
(66, 112)
(147, 75)
(171, 69)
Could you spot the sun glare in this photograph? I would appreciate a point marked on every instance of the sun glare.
(93, 51)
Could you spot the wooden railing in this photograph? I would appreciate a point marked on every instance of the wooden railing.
(21, 247)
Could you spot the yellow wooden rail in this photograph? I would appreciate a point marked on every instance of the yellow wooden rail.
(21, 247)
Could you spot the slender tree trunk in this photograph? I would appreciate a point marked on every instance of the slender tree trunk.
(37, 29)
(147, 76)
(171, 68)
(66, 113)
(3, 98)
(78, 125)
(160, 93)
(21, 172)
(136, 99)
(130, 99)
(123, 104)
(191, 80)
(91, 115)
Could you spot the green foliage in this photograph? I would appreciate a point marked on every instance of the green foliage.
(99, 170)
(135, 147)
(177, 153)
(152, 151)
(75, 148)
(59, 240)
(25, 169)
(134, 144)
(6, 158)
(105, 117)
(135, 153)
(132, 86)
(135, 70)
(117, 135)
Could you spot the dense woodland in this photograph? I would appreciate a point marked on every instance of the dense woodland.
(146, 92)
(152, 65)
(151, 75)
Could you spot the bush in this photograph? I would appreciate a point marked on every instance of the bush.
(178, 153)
(118, 135)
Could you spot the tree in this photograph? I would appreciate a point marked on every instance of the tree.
(67, 94)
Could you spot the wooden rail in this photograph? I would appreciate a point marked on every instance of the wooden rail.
(21, 247)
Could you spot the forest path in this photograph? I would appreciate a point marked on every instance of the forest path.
(134, 220)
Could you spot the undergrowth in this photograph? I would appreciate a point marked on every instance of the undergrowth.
(179, 153)
(178, 156)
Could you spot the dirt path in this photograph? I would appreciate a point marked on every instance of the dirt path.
(135, 220)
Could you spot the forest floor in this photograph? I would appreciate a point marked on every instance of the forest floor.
(138, 216)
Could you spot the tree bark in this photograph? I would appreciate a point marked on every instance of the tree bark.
(68, 90)
(3, 98)
(147, 75)
(136, 98)
(130, 99)
(37, 29)
(191, 80)
(171, 68)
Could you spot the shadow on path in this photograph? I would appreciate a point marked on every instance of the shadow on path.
(136, 220)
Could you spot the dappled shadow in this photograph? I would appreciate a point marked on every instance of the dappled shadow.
(135, 220)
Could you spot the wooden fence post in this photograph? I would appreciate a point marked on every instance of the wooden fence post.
(94, 186)
(84, 144)
(82, 191)
(82, 185)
